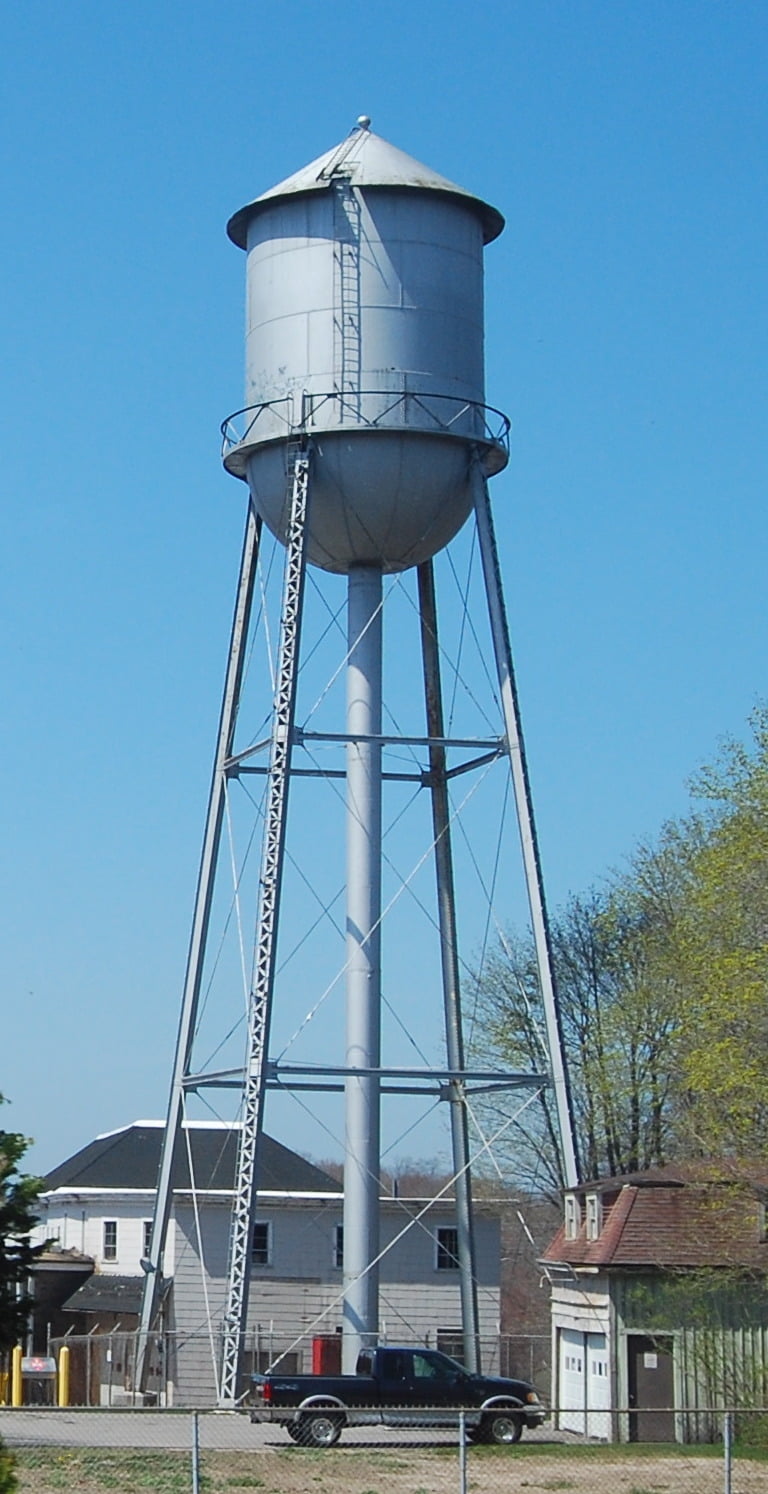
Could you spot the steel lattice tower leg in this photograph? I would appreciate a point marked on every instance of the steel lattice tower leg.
(449, 953)
(198, 937)
(260, 1004)
(524, 804)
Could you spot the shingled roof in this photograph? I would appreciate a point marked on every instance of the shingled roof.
(130, 1159)
(673, 1217)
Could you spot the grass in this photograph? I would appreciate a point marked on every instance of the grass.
(351, 1469)
(608, 1452)
(93, 1470)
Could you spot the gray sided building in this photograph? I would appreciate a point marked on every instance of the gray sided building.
(97, 1210)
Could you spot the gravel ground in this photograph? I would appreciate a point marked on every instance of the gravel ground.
(375, 1470)
(125, 1453)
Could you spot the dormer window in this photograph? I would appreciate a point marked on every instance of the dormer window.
(572, 1216)
(594, 1219)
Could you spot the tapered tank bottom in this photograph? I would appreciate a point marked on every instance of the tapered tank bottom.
(390, 499)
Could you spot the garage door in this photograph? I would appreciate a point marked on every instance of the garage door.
(598, 1387)
(571, 1380)
(585, 1383)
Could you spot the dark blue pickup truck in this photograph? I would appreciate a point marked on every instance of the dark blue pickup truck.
(397, 1387)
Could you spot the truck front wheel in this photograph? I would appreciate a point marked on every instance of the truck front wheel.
(319, 1429)
(502, 1427)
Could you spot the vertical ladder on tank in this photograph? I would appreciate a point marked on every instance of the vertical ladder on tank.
(270, 880)
(346, 312)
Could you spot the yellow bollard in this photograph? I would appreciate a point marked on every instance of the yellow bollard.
(63, 1376)
(5, 1382)
(16, 1387)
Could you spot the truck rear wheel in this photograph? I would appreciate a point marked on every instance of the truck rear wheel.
(319, 1429)
(502, 1427)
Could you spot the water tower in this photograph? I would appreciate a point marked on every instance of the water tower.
(366, 443)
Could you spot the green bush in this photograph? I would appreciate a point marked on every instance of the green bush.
(750, 1430)
(8, 1482)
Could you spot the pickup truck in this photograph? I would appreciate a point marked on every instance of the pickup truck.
(397, 1387)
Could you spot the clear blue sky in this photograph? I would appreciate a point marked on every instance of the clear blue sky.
(626, 145)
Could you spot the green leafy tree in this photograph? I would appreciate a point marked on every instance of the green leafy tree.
(722, 953)
(18, 1195)
(618, 1022)
(663, 985)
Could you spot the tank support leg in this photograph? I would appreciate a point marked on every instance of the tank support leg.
(198, 939)
(449, 953)
(270, 879)
(362, 1091)
(524, 804)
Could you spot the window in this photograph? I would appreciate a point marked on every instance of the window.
(594, 1216)
(447, 1248)
(338, 1246)
(109, 1240)
(572, 1216)
(146, 1238)
(450, 1341)
(261, 1245)
(259, 1362)
(435, 1367)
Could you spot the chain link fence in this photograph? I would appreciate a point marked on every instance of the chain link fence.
(205, 1452)
(183, 1367)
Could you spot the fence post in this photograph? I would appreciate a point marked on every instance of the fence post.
(195, 1452)
(728, 1450)
(462, 1453)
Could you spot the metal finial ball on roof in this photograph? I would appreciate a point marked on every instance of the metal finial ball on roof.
(364, 121)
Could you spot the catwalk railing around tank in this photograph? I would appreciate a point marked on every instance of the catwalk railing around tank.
(418, 411)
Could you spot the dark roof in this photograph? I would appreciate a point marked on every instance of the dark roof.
(702, 1220)
(751, 1171)
(130, 1158)
(105, 1293)
(56, 1257)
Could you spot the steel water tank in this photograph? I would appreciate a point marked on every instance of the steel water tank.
(365, 330)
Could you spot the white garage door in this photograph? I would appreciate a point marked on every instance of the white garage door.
(598, 1387)
(585, 1384)
(571, 1380)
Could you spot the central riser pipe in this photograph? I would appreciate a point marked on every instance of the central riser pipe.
(363, 1047)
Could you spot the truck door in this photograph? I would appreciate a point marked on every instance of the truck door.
(396, 1381)
(429, 1386)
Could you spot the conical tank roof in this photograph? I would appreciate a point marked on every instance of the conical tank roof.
(368, 161)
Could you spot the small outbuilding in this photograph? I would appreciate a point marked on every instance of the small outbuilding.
(660, 1302)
